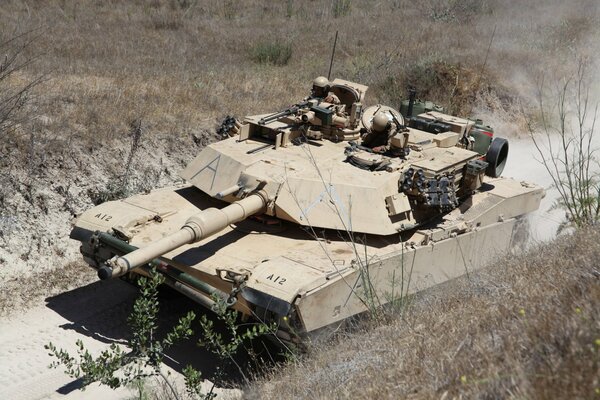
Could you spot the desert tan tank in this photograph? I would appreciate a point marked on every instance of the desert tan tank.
(314, 214)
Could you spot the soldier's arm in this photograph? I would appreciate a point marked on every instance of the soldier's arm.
(332, 98)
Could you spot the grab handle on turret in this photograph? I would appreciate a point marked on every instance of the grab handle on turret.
(197, 227)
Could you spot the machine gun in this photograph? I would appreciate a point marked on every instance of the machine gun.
(288, 111)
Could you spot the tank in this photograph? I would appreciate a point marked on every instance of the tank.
(293, 219)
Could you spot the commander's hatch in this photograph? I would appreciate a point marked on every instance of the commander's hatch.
(348, 92)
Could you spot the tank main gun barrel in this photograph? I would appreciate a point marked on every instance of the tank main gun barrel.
(197, 227)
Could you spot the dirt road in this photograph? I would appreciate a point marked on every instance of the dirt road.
(97, 315)
(89, 314)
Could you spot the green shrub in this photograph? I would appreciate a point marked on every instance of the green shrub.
(273, 52)
(115, 367)
(454, 10)
(341, 8)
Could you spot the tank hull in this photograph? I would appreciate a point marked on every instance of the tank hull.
(303, 278)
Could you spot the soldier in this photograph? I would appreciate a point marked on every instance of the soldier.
(381, 131)
(320, 90)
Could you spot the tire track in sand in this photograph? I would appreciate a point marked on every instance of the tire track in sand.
(96, 314)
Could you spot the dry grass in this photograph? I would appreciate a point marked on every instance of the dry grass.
(179, 64)
(527, 328)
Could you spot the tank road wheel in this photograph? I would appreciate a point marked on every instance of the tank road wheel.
(496, 157)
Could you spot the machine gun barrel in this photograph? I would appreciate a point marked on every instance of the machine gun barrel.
(197, 227)
(288, 111)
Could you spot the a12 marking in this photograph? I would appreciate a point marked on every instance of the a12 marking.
(103, 217)
(276, 279)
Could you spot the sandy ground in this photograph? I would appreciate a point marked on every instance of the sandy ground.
(24, 372)
(96, 314)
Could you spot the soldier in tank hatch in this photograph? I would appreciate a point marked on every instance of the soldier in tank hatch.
(320, 90)
(377, 137)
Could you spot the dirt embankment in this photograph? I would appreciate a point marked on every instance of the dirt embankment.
(37, 258)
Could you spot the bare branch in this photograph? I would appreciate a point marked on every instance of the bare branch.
(565, 146)
(14, 95)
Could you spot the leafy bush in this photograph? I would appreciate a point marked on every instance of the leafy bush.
(116, 368)
(454, 10)
(341, 8)
(453, 85)
(271, 52)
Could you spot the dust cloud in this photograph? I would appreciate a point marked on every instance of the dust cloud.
(524, 165)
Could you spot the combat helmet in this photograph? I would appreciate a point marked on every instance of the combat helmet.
(380, 122)
(320, 86)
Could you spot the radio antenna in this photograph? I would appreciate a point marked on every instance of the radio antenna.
(332, 55)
